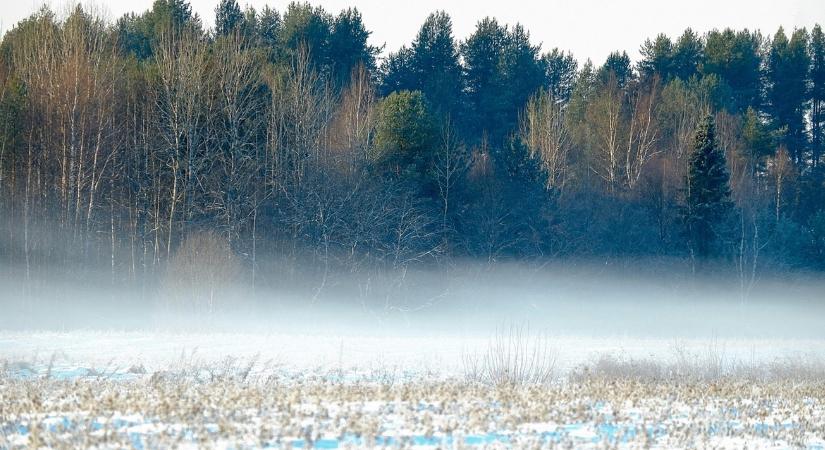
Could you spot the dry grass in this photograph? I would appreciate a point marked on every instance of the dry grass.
(236, 405)
(512, 358)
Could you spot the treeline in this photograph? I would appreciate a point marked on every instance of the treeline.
(284, 134)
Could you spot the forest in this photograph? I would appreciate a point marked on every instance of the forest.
(278, 140)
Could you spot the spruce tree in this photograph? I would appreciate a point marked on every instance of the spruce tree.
(708, 203)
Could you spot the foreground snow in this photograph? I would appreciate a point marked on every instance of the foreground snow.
(230, 408)
(159, 390)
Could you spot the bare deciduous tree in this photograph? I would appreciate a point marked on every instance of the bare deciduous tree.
(181, 59)
(544, 131)
(643, 132)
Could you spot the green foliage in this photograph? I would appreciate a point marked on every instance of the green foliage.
(687, 55)
(336, 45)
(562, 71)
(502, 70)
(397, 72)
(430, 65)
(349, 47)
(228, 18)
(618, 65)
(405, 136)
(267, 30)
(707, 204)
(434, 60)
(309, 28)
(657, 57)
(735, 58)
(759, 141)
(138, 34)
(788, 93)
(817, 52)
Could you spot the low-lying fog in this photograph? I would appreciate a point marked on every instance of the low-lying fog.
(425, 319)
(560, 299)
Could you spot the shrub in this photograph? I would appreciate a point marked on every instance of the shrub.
(200, 272)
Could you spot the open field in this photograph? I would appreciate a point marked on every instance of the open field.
(68, 390)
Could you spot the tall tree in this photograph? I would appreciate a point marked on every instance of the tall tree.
(139, 35)
(397, 72)
(562, 69)
(617, 64)
(502, 70)
(348, 46)
(735, 58)
(308, 29)
(788, 68)
(657, 58)
(435, 64)
(707, 202)
(687, 54)
(228, 17)
(817, 94)
(405, 136)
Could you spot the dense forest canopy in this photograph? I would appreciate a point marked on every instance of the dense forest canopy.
(282, 135)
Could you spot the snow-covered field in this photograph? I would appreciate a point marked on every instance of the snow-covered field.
(228, 390)
(442, 355)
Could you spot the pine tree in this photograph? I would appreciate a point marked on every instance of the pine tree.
(687, 54)
(735, 58)
(788, 67)
(436, 64)
(708, 203)
(817, 93)
(562, 69)
(657, 58)
(617, 64)
(228, 17)
(349, 47)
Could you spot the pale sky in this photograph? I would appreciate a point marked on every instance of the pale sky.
(589, 28)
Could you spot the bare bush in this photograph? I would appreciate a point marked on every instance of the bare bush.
(201, 270)
(711, 366)
(513, 358)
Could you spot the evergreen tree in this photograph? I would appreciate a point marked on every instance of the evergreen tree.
(307, 28)
(708, 204)
(523, 70)
(349, 47)
(267, 31)
(561, 73)
(482, 56)
(435, 64)
(138, 35)
(817, 94)
(788, 67)
(617, 64)
(405, 136)
(687, 54)
(657, 58)
(735, 58)
(502, 70)
(759, 142)
(397, 72)
(228, 17)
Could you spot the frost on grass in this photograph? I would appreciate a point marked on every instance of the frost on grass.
(606, 404)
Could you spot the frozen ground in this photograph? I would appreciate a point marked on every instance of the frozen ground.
(224, 390)
(440, 355)
(638, 361)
